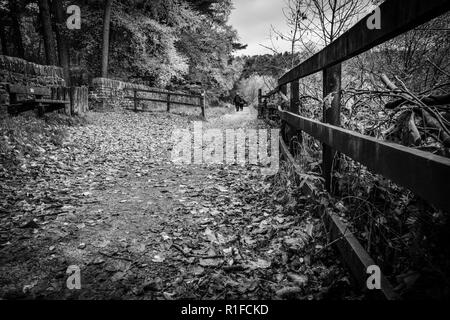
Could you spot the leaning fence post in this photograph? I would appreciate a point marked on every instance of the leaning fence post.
(135, 100)
(203, 102)
(168, 102)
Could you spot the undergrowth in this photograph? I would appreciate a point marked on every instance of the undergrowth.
(404, 235)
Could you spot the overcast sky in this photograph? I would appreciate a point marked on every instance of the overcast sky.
(252, 20)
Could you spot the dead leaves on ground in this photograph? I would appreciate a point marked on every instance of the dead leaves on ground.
(219, 231)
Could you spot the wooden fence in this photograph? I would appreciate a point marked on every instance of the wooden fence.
(170, 98)
(78, 97)
(423, 173)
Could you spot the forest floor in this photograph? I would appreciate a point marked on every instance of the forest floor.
(107, 199)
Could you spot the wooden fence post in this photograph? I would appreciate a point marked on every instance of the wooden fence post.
(84, 99)
(294, 136)
(293, 107)
(264, 105)
(135, 100)
(331, 115)
(79, 100)
(283, 89)
(203, 103)
(259, 102)
(168, 102)
(70, 94)
(59, 93)
(283, 128)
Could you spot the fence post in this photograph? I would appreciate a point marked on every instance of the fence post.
(168, 102)
(284, 126)
(135, 100)
(79, 100)
(331, 115)
(259, 102)
(203, 103)
(293, 107)
(264, 105)
(70, 94)
(283, 89)
(295, 137)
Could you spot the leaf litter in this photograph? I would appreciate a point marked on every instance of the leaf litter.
(107, 199)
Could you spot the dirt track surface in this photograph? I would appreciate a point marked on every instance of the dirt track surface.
(111, 202)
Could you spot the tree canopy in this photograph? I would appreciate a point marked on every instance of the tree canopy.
(161, 43)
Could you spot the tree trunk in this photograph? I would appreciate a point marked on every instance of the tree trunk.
(106, 23)
(17, 38)
(63, 51)
(3, 39)
(47, 32)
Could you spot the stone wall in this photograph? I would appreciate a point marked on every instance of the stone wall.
(111, 94)
(21, 72)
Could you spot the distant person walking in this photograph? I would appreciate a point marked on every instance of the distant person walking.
(239, 102)
(243, 103)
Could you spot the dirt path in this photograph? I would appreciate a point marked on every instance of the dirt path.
(141, 227)
(242, 119)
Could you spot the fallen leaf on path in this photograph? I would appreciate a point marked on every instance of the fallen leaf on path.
(259, 264)
(300, 280)
(158, 258)
(210, 235)
(198, 270)
(210, 262)
(287, 291)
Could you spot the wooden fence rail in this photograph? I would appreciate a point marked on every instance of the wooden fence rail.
(168, 100)
(425, 174)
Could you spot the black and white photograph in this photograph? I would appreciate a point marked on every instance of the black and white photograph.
(227, 158)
